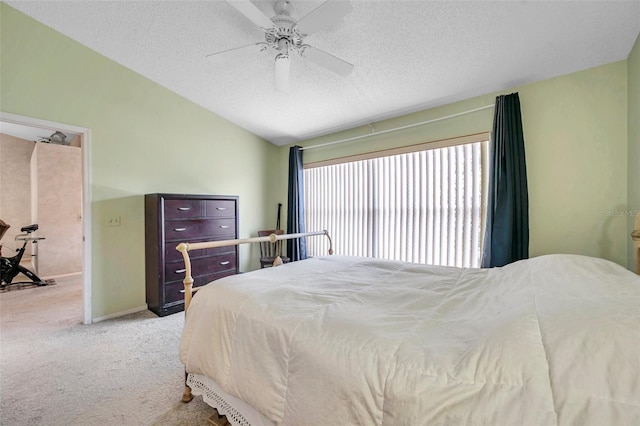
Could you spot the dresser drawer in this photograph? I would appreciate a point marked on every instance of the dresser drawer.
(201, 266)
(182, 209)
(186, 230)
(173, 255)
(219, 208)
(173, 292)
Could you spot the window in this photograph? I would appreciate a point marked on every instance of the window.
(423, 206)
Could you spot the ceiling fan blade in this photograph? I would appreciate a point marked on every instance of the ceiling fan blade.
(250, 10)
(327, 60)
(235, 53)
(324, 15)
(282, 69)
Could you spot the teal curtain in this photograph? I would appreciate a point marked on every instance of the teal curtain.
(507, 227)
(296, 248)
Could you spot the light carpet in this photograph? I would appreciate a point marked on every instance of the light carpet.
(56, 371)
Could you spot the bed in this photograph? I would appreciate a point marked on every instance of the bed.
(353, 341)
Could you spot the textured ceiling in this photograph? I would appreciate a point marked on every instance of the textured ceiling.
(408, 55)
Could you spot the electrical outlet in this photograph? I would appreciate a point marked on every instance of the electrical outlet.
(113, 221)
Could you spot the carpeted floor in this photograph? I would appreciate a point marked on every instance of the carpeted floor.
(56, 371)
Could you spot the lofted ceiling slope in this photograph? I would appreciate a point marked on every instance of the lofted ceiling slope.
(407, 55)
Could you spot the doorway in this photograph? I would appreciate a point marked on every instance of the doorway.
(45, 128)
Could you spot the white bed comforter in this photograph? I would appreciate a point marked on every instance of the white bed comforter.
(353, 341)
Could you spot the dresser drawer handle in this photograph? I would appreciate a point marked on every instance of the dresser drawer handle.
(221, 208)
(184, 209)
(226, 262)
(179, 229)
(224, 226)
(181, 271)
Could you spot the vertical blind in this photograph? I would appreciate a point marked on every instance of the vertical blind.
(423, 207)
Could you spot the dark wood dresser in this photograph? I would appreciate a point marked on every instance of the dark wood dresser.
(174, 218)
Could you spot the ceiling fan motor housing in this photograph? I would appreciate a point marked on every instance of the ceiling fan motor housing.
(284, 34)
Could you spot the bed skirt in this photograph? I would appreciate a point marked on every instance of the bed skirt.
(238, 412)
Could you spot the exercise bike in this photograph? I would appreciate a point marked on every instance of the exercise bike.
(10, 266)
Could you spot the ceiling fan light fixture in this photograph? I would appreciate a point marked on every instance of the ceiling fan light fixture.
(282, 71)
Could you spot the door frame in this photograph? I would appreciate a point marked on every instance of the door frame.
(85, 135)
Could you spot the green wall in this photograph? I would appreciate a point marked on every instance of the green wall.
(575, 129)
(144, 139)
(575, 132)
(633, 194)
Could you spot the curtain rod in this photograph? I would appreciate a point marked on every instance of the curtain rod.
(374, 133)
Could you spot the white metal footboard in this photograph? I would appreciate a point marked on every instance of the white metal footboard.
(184, 248)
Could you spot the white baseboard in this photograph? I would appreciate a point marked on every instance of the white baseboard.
(72, 274)
(120, 314)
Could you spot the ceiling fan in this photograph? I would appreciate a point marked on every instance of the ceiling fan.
(285, 35)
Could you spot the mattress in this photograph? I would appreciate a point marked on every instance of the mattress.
(356, 341)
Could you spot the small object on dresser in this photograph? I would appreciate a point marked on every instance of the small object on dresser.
(171, 219)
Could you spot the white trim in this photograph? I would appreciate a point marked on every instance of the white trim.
(395, 129)
(86, 194)
(121, 314)
(86, 224)
(72, 274)
(423, 146)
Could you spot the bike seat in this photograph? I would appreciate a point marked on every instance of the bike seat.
(30, 228)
